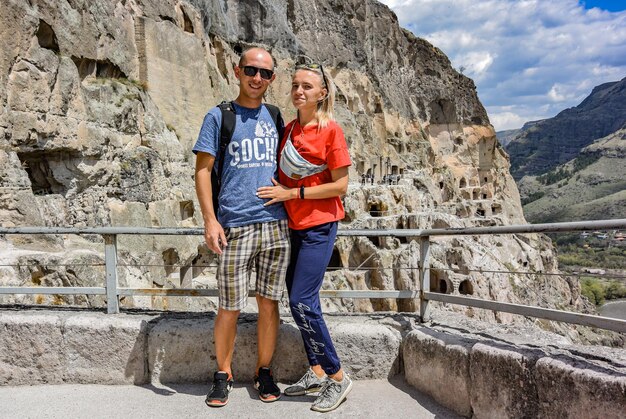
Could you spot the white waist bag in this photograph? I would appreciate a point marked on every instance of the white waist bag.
(294, 165)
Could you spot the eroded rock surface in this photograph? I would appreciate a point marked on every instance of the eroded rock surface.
(101, 103)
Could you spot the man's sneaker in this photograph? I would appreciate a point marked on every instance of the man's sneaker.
(218, 395)
(309, 383)
(264, 382)
(332, 394)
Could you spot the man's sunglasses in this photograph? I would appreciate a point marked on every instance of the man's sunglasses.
(251, 71)
(313, 66)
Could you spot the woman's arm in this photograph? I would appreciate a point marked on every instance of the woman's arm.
(278, 193)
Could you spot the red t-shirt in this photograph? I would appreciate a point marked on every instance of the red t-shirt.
(328, 146)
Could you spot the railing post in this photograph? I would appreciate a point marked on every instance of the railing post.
(110, 261)
(424, 277)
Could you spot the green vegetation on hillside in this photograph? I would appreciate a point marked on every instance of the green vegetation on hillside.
(591, 186)
(580, 162)
(573, 251)
(585, 159)
(597, 255)
(532, 197)
(554, 176)
(598, 290)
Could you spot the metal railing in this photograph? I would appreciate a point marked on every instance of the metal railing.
(113, 292)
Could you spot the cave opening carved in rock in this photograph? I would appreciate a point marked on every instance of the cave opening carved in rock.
(375, 240)
(170, 260)
(187, 23)
(466, 287)
(46, 37)
(88, 67)
(375, 210)
(335, 260)
(442, 111)
(45, 171)
(204, 263)
(440, 283)
(186, 209)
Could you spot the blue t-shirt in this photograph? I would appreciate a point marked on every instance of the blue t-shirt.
(249, 163)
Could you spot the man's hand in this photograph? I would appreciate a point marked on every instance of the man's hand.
(276, 193)
(215, 237)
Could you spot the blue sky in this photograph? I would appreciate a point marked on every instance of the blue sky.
(530, 59)
(610, 5)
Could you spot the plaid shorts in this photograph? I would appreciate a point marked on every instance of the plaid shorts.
(264, 246)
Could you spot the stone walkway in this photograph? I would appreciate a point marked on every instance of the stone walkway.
(368, 399)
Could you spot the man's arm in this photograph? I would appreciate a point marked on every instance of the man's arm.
(213, 231)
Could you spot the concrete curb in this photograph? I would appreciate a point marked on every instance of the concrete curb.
(85, 347)
(502, 381)
(438, 364)
(65, 347)
(568, 388)
(488, 379)
(470, 374)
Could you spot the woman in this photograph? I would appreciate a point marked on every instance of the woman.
(313, 174)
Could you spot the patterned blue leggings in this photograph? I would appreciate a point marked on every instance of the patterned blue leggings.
(311, 250)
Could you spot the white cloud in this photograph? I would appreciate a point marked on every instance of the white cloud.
(514, 116)
(530, 71)
(475, 63)
(508, 120)
(558, 93)
(536, 57)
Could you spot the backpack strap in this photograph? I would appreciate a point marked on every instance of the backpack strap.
(279, 124)
(278, 120)
(226, 133)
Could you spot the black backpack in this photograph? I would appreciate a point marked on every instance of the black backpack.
(226, 133)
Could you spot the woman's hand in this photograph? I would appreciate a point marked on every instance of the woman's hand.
(276, 193)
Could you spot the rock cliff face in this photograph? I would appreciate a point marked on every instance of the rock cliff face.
(544, 145)
(101, 103)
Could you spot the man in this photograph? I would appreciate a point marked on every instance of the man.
(244, 232)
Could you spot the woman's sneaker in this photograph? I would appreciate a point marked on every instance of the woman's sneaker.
(264, 382)
(309, 383)
(218, 395)
(332, 394)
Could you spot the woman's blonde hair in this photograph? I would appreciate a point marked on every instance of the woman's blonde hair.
(325, 107)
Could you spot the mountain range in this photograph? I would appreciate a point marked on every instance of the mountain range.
(573, 166)
(541, 146)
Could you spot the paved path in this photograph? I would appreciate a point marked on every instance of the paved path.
(368, 399)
